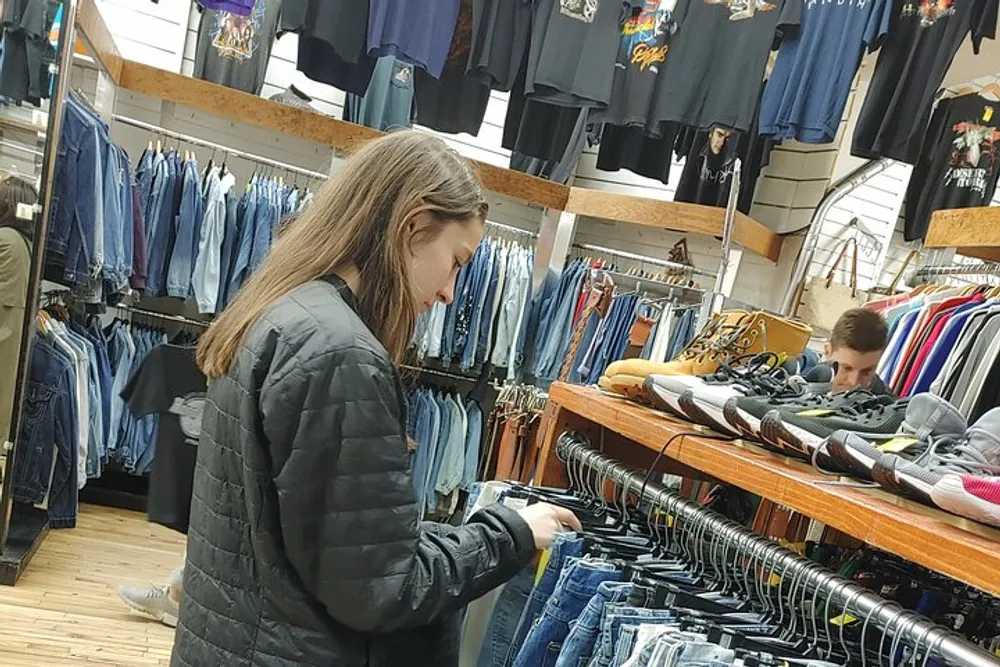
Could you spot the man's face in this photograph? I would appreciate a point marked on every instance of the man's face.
(717, 139)
(855, 370)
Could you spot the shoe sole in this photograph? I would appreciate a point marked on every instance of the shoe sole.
(629, 386)
(788, 436)
(163, 617)
(708, 414)
(901, 476)
(745, 423)
(665, 400)
(859, 460)
(951, 495)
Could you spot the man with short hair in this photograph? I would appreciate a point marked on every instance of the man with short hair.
(856, 344)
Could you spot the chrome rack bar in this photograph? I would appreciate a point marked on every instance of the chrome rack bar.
(179, 319)
(978, 268)
(156, 129)
(847, 596)
(601, 250)
(511, 229)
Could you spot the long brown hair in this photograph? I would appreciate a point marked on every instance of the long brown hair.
(359, 219)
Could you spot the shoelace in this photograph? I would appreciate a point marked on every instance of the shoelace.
(956, 454)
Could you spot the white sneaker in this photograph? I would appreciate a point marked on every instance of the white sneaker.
(153, 601)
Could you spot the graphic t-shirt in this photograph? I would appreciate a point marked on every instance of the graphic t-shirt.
(574, 43)
(417, 31)
(717, 60)
(959, 163)
(234, 50)
(642, 52)
(708, 169)
(500, 30)
(923, 39)
(168, 383)
(811, 81)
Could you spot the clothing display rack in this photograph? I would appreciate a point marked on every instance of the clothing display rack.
(744, 553)
(976, 269)
(508, 229)
(177, 319)
(125, 120)
(601, 250)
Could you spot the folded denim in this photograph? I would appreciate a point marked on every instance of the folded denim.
(579, 581)
(579, 645)
(694, 654)
(617, 616)
(651, 641)
(564, 546)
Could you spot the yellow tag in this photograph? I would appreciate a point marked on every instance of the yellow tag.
(815, 413)
(987, 114)
(774, 581)
(897, 445)
(543, 560)
(843, 619)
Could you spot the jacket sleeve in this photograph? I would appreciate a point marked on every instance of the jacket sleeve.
(346, 501)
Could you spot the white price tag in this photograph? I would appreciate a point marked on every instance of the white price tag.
(25, 211)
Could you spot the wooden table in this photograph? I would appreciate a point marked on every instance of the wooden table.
(633, 434)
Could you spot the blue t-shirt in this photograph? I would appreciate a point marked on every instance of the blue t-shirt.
(417, 31)
(808, 89)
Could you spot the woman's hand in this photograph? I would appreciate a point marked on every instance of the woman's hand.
(546, 520)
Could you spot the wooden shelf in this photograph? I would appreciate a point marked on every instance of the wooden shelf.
(344, 136)
(959, 548)
(974, 232)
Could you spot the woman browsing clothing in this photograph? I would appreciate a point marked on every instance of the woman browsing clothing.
(304, 546)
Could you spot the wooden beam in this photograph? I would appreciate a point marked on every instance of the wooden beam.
(675, 216)
(976, 231)
(95, 32)
(956, 547)
(340, 135)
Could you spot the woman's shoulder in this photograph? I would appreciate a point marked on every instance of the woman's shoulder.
(314, 321)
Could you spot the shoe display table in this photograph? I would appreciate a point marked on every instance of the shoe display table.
(960, 548)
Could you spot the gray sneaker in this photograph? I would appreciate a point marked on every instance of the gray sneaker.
(928, 419)
(153, 601)
(975, 452)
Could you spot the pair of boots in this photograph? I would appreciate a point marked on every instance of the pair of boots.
(729, 334)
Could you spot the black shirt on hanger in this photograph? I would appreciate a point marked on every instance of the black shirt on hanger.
(715, 70)
(234, 50)
(169, 383)
(959, 163)
(500, 30)
(923, 39)
(333, 41)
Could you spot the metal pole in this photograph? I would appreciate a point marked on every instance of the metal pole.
(840, 189)
(67, 39)
(950, 647)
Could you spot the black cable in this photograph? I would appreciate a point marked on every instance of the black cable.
(663, 450)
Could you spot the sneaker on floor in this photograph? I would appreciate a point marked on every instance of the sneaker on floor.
(744, 412)
(803, 431)
(971, 496)
(153, 601)
(975, 452)
(928, 418)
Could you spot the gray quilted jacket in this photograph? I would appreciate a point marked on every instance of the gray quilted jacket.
(304, 546)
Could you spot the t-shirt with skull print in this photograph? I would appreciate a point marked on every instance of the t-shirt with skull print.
(168, 383)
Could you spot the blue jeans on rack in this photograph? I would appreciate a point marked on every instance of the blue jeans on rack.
(579, 645)
(617, 616)
(579, 581)
(158, 227)
(564, 547)
(503, 622)
(186, 243)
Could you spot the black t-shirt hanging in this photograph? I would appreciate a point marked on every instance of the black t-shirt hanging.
(169, 383)
(500, 31)
(715, 70)
(642, 53)
(233, 49)
(959, 163)
(708, 169)
(923, 39)
(333, 41)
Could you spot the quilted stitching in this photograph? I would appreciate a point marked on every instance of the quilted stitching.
(304, 538)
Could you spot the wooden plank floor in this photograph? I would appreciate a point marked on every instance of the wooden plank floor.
(65, 611)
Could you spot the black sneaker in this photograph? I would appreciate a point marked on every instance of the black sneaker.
(803, 431)
(928, 418)
(976, 452)
(743, 413)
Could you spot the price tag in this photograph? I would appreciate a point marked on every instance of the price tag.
(843, 619)
(897, 445)
(25, 211)
(543, 561)
(987, 114)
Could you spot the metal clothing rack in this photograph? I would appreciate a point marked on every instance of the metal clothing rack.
(178, 319)
(643, 259)
(975, 269)
(511, 230)
(156, 129)
(746, 551)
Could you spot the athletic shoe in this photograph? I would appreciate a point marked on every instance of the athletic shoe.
(803, 431)
(975, 452)
(743, 413)
(928, 418)
(977, 498)
(153, 601)
(668, 389)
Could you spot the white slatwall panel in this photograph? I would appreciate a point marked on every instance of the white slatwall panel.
(151, 33)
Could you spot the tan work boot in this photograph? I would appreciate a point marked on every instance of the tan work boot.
(729, 334)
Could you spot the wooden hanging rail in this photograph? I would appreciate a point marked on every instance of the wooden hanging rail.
(974, 232)
(959, 548)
